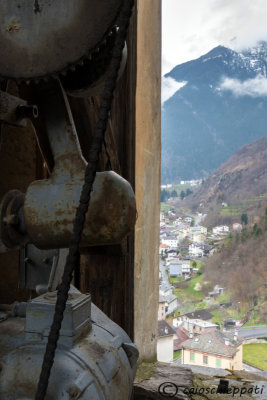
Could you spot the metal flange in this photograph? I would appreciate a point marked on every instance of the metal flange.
(12, 229)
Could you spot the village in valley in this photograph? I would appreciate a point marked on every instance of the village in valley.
(191, 327)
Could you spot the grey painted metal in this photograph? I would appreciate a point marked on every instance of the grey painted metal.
(36, 266)
(40, 312)
(94, 367)
(41, 270)
(44, 37)
(50, 205)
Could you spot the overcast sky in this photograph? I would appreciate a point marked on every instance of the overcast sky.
(193, 27)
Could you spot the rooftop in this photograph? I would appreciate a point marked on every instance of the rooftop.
(199, 314)
(161, 298)
(203, 324)
(164, 329)
(182, 336)
(214, 342)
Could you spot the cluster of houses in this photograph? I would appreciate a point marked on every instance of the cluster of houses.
(178, 235)
(200, 342)
(175, 231)
(192, 182)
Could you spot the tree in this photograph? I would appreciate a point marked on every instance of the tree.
(182, 195)
(164, 195)
(256, 230)
(188, 192)
(220, 198)
(174, 193)
(244, 219)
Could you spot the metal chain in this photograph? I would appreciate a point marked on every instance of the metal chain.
(73, 256)
(108, 163)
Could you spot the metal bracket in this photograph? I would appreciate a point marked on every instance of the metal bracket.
(15, 111)
(41, 270)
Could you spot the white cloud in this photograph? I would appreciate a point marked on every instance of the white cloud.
(191, 28)
(256, 87)
(169, 87)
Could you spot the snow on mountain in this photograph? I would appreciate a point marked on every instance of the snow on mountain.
(222, 107)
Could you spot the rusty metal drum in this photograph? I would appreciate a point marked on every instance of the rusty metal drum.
(49, 211)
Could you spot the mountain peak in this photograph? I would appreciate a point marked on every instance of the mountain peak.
(205, 121)
(223, 61)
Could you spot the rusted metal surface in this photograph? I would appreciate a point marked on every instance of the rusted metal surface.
(49, 219)
(51, 38)
(14, 110)
(10, 225)
(50, 205)
(44, 155)
(95, 367)
(89, 79)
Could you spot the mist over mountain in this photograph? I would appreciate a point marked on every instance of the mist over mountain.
(220, 107)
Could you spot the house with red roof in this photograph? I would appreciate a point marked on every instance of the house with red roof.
(163, 248)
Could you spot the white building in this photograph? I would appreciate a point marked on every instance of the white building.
(198, 234)
(195, 251)
(166, 336)
(186, 269)
(163, 248)
(197, 326)
(170, 241)
(237, 227)
(171, 300)
(220, 229)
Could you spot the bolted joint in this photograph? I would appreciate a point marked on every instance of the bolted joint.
(27, 111)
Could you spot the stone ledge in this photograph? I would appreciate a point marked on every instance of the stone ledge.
(150, 377)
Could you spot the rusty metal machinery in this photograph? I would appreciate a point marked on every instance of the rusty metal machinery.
(41, 38)
(47, 220)
(63, 47)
